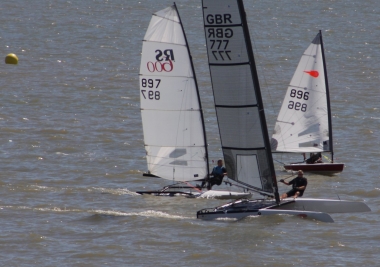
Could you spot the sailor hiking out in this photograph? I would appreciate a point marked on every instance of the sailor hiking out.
(299, 185)
(216, 177)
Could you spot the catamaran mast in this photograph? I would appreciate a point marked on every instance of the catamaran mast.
(327, 97)
(198, 95)
(258, 97)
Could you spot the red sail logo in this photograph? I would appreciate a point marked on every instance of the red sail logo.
(312, 73)
(164, 61)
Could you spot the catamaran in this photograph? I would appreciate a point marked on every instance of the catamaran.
(172, 117)
(304, 122)
(242, 125)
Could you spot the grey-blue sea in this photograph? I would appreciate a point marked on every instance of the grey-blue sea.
(72, 150)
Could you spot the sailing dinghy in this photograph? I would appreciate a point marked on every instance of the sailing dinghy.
(242, 124)
(172, 118)
(304, 122)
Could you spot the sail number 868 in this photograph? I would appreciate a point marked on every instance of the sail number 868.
(300, 95)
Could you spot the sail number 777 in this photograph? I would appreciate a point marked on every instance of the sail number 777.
(150, 83)
(218, 40)
(298, 94)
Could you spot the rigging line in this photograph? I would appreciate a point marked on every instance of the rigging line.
(279, 161)
(164, 18)
(193, 186)
(160, 42)
(288, 177)
(228, 182)
(326, 157)
(249, 189)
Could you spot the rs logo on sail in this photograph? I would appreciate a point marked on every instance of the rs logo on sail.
(166, 54)
(164, 61)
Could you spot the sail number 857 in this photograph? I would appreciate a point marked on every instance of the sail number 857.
(299, 94)
(150, 83)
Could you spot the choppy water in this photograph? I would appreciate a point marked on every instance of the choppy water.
(72, 151)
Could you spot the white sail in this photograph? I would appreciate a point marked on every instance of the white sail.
(303, 122)
(173, 127)
(237, 96)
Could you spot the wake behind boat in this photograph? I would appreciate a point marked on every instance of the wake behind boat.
(172, 117)
(304, 122)
(242, 124)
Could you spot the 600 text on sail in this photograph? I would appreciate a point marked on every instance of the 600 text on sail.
(160, 66)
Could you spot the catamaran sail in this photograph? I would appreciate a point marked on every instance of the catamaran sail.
(304, 122)
(242, 124)
(173, 124)
(237, 96)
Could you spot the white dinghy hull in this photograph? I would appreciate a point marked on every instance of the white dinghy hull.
(193, 192)
(220, 194)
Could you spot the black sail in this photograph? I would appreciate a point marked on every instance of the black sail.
(239, 107)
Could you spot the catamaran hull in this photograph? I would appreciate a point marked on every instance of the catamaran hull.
(316, 209)
(327, 205)
(316, 167)
(320, 216)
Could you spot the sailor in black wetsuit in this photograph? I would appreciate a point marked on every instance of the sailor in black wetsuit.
(314, 158)
(299, 185)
